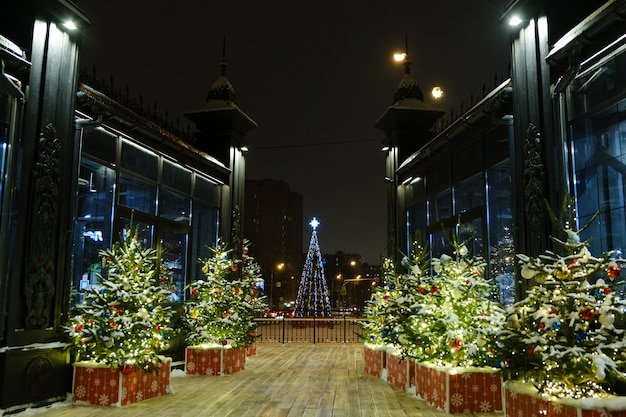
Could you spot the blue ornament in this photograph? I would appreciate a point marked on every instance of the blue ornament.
(392, 286)
(150, 308)
(100, 332)
(416, 310)
(384, 333)
(556, 325)
(598, 293)
(394, 331)
(499, 364)
(372, 337)
(105, 314)
(580, 335)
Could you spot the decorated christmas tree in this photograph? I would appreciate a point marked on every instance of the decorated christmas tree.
(391, 303)
(123, 321)
(223, 307)
(312, 298)
(453, 319)
(566, 337)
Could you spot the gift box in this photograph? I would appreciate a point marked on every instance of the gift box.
(460, 390)
(523, 400)
(214, 360)
(251, 348)
(96, 384)
(374, 358)
(400, 371)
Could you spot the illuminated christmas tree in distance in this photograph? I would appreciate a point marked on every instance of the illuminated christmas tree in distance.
(312, 299)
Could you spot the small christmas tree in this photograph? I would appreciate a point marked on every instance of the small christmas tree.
(223, 310)
(567, 336)
(453, 320)
(390, 304)
(123, 322)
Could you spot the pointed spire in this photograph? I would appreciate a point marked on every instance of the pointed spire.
(222, 90)
(223, 64)
(407, 62)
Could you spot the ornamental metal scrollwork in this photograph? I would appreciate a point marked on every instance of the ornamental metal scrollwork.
(39, 282)
(533, 186)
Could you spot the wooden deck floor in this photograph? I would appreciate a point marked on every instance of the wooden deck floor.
(281, 381)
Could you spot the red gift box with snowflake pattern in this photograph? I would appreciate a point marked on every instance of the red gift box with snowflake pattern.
(96, 384)
(523, 400)
(374, 359)
(459, 390)
(214, 360)
(400, 372)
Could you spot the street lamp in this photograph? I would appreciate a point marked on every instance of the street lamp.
(279, 266)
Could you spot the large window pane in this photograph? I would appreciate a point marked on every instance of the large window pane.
(207, 191)
(94, 228)
(599, 162)
(416, 226)
(174, 206)
(441, 207)
(205, 233)
(137, 194)
(176, 177)
(469, 193)
(174, 255)
(500, 226)
(100, 144)
(139, 160)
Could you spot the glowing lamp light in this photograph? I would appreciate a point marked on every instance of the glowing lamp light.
(399, 56)
(437, 93)
(69, 25)
(515, 21)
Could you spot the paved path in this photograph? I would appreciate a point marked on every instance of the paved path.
(281, 381)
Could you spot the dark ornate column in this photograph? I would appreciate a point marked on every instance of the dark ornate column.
(34, 367)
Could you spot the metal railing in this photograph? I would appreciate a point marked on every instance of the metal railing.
(309, 330)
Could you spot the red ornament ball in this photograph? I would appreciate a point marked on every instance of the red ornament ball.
(606, 291)
(234, 268)
(434, 289)
(79, 327)
(613, 271)
(224, 342)
(456, 344)
(127, 369)
(194, 291)
(587, 313)
(245, 249)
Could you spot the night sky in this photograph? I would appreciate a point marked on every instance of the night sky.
(315, 76)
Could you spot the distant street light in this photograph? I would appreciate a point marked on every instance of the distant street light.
(437, 92)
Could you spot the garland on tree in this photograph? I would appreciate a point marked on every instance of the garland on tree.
(567, 336)
(454, 320)
(439, 312)
(123, 321)
(223, 308)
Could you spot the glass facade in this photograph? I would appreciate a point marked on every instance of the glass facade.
(122, 183)
(475, 193)
(597, 129)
